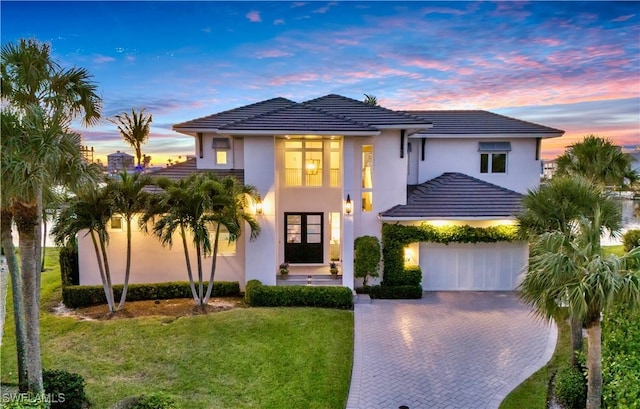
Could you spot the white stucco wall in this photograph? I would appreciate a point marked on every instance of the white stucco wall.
(461, 155)
(235, 156)
(261, 261)
(151, 262)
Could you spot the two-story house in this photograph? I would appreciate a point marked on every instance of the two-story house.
(332, 169)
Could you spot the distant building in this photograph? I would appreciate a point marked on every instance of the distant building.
(87, 153)
(549, 168)
(120, 161)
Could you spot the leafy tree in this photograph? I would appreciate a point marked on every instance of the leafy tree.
(599, 160)
(367, 257)
(558, 205)
(129, 198)
(43, 98)
(572, 270)
(370, 100)
(135, 129)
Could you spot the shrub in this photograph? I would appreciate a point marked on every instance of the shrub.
(409, 275)
(621, 358)
(396, 292)
(570, 387)
(631, 239)
(69, 269)
(258, 295)
(87, 295)
(67, 385)
(366, 257)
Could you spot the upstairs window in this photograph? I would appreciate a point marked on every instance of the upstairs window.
(493, 156)
(221, 147)
(303, 163)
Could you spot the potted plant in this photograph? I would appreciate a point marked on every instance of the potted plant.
(333, 269)
(284, 270)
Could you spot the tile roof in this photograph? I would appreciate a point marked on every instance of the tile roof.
(479, 122)
(184, 169)
(300, 118)
(457, 196)
(238, 114)
(361, 112)
(331, 113)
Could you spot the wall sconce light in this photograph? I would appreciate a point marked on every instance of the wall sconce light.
(312, 166)
(259, 206)
(348, 206)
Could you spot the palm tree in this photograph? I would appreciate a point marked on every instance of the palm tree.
(134, 128)
(129, 199)
(229, 210)
(573, 270)
(599, 160)
(557, 205)
(44, 98)
(370, 100)
(89, 210)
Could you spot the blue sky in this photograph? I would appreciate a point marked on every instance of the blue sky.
(570, 65)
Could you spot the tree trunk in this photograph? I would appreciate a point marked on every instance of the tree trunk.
(188, 261)
(107, 275)
(213, 265)
(127, 270)
(576, 338)
(38, 241)
(26, 219)
(44, 244)
(200, 284)
(103, 277)
(18, 307)
(594, 364)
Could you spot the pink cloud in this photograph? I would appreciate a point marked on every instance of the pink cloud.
(294, 78)
(102, 59)
(442, 10)
(254, 16)
(623, 18)
(274, 53)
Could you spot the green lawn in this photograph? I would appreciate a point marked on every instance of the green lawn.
(247, 357)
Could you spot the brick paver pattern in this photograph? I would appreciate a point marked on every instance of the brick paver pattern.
(453, 350)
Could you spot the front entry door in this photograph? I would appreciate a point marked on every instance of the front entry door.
(304, 235)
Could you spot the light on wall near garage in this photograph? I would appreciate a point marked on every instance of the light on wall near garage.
(348, 206)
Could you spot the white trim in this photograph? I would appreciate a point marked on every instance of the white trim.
(485, 135)
(426, 219)
(278, 132)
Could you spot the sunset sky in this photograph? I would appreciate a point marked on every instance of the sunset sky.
(568, 65)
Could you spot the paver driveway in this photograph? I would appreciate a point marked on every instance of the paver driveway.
(454, 350)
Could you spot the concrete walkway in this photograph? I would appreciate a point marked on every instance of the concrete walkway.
(453, 350)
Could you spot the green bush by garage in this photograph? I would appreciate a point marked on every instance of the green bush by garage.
(259, 295)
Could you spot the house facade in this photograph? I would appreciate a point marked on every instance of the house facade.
(332, 169)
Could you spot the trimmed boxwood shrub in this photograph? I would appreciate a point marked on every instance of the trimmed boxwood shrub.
(24, 402)
(570, 387)
(65, 388)
(258, 295)
(410, 275)
(88, 295)
(631, 239)
(396, 292)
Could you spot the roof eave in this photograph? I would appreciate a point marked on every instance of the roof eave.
(425, 219)
(488, 135)
(249, 132)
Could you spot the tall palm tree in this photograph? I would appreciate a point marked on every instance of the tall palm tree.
(558, 205)
(573, 270)
(230, 210)
(134, 128)
(129, 199)
(45, 98)
(599, 160)
(89, 210)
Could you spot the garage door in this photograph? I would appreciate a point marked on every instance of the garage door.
(472, 267)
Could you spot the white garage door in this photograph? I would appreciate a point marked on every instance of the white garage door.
(472, 267)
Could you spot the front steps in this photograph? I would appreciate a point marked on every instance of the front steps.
(310, 279)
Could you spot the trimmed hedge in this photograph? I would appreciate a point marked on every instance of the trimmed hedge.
(67, 385)
(88, 295)
(259, 295)
(631, 239)
(570, 388)
(409, 276)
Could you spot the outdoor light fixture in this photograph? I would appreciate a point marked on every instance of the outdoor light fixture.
(312, 166)
(348, 206)
(259, 206)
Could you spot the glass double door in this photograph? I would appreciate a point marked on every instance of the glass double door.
(304, 238)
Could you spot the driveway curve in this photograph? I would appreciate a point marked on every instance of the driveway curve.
(453, 350)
